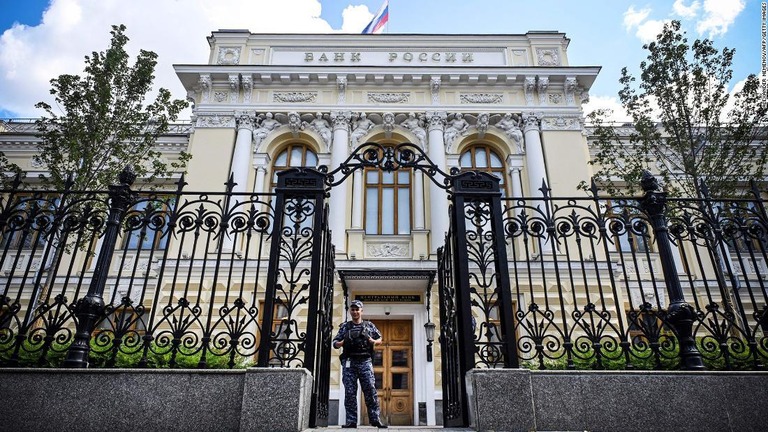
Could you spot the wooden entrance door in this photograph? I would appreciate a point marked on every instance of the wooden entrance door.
(393, 368)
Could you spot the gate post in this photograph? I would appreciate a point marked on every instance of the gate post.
(91, 307)
(482, 274)
(680, 314)
(294, 275)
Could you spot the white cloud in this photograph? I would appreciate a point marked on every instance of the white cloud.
(688, 12)
(633, 18)
(718, 16)
(645, 29)
(70, 29)
(617, 115)
(648, 30)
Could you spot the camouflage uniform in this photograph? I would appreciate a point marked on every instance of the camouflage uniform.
(359, 367)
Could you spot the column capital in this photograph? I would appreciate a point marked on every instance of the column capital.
(531, 121)
(341, 120)
(245, 120)
(436, 120)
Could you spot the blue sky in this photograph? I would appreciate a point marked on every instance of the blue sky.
(35, 47)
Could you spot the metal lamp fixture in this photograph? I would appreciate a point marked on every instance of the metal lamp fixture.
(429, 329)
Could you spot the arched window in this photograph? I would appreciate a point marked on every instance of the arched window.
(293, 156)
(481, 157)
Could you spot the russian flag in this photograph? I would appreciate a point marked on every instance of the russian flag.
(378, 22)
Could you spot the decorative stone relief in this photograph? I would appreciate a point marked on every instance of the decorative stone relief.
(295, 124)
(482, 124)
(528, 87)
(455, 127)
(341, 84)
(583, 96)
(245, 120)
(267, 124)
(388, 250)
(229, 56)
(234, 87)
(205, 87)
(555, 98)
(220, 96)
(321, 126)
(547, 57)
(388, 124)
(362, 125)
(214, 121)
(416, 126)
(481, 98)
(294, 97)
(511, 126)
(389, 98)
(434, 85)
(341, 119)
(436, 120)
(247, 83)
(541, 86)
(571, 85)
(561, 123)
(531, 121)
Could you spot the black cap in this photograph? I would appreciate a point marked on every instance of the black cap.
(356, 303)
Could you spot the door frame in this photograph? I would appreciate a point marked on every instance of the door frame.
(423, 376)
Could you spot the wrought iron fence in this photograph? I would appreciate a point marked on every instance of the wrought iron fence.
(638, 283)
(181, 282)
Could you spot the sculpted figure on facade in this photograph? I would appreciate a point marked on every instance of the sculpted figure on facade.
(511, 127)
(416, 126)
(455, 127)
(362, 126)
(321, 126)
(267, 125)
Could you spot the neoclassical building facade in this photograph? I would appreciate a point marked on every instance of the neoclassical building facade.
(509, 105)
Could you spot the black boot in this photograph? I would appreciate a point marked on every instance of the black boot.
(349, 426)
(378, 424)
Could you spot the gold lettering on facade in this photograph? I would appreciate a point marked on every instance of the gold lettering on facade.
(392, 56)
(407, 56)
(466, 57)
(308, 57)
(423, 57)
(436, 57)
(323, 58)
(339, 56)
(355, 56)
(450, 57)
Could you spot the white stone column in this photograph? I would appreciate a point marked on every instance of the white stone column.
(438, 201)
(261, 165)
(535, 165)
(517, 185)
(338, 206)
(241, 157)
(357, 200)
(418, 200)
(241, 163)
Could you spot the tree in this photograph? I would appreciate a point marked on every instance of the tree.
(104, 125)
(684, 128)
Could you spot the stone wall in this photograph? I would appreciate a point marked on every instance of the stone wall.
(85, 400)
(523, 400)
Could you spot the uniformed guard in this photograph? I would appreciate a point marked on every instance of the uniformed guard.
(358, 338)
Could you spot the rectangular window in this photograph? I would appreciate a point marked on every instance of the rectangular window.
(387, 202)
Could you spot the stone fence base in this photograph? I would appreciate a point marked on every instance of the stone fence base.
(523, 400)
(250, 400)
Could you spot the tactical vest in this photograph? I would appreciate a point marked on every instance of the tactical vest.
(356, 343)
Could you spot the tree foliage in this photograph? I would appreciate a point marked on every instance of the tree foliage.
(683, 127)
(102, 124)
